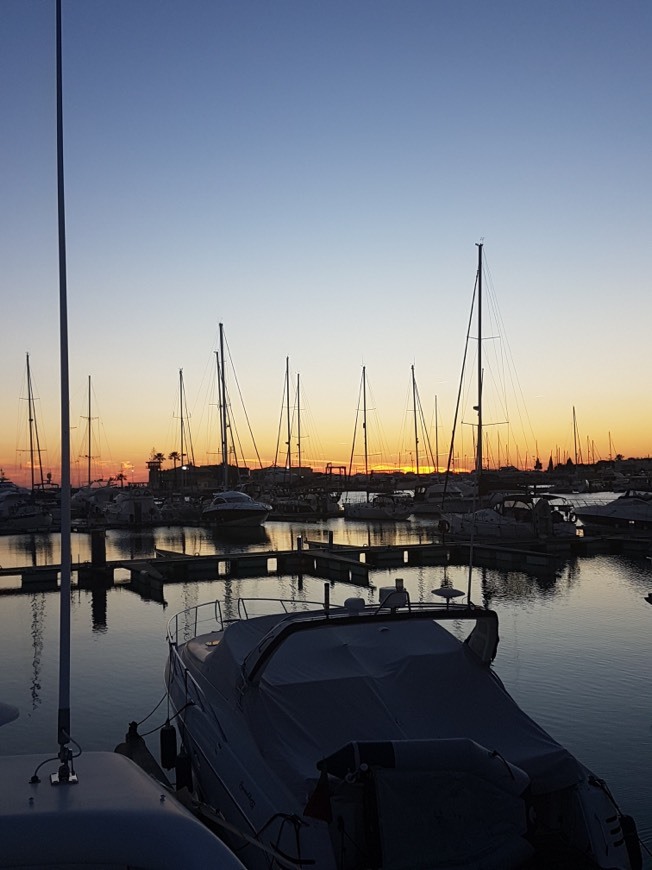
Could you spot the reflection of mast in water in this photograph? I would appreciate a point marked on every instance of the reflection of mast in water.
(38, 547)
(37, 601)
(98, 609)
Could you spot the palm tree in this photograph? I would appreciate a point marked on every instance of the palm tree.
(176, 458)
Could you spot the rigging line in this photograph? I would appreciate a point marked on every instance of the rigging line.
(154, 710)
(424, 430)
(185, 404)
(244, 409)
(509, 356)
(355, 427)
(459, 390)
(280, 423)
(383, 445)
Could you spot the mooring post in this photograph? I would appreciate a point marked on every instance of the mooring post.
(98, 547)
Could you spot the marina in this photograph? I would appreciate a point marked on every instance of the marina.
(282, 666)
(573, 651)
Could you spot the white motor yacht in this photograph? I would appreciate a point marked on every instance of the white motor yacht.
(235, 508)
(514, 517)
(384, 506)
(369, 735)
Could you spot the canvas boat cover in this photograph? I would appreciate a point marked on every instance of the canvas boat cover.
(381, 680)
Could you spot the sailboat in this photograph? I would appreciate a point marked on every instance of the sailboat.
(22, 509)
(90, 809)
(384, 506)
(505, 516)
(291, 489)
(231, 507)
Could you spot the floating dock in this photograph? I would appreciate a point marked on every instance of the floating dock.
(326, 559)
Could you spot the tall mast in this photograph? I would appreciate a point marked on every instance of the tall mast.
(288, 419)
(89, 432)
(225, 451)
(575, 433)
(30, 417)
(34, 442)
(63, 719)
(416, 429)
(436, 440)
(364, 427)
(479, 444)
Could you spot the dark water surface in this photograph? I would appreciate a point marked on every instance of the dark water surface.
(575, 644)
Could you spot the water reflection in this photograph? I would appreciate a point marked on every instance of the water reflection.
(235, 539)
(36, 549)
(99, 603)
(132, 544)
(37, 603)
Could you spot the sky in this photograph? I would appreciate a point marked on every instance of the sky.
(316, 176)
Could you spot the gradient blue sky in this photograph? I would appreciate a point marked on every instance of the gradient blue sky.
(315, 176)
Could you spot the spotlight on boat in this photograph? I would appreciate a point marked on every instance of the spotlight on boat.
(448, 592)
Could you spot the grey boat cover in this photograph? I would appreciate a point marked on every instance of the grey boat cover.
(385, 680)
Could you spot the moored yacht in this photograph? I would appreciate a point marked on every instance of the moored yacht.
(515, 516)
(235, 508)
(630, 512)
(318, 733)
(384, 506)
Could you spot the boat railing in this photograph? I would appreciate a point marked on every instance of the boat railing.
(288, 605)
(187, 623)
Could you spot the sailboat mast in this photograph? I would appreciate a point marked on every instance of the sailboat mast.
(89, 432)
(288, 418)
(436, 440)
(575, 433)
(364, 425)
(225, 452)
(30, 417)
(63, 719)
(416, 429)
(479, 444)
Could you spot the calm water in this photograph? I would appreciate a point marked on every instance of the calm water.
(574, 650)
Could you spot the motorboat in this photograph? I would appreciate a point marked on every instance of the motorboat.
(20, 512)
(437, 497)
(132, 506)
(235, 508)
(102, 811)
(515, 516)
(308, 505)
(630, 512)
(384, 506)
(368, 735)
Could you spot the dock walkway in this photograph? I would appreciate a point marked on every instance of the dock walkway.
(326, 559)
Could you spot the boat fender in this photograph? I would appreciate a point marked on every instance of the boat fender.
(632, 842)
(444, 526)
(168, 740)
(183, 770)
